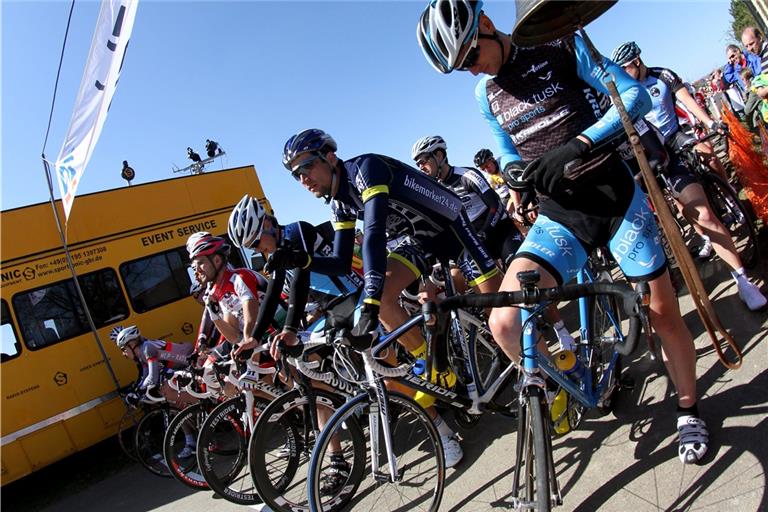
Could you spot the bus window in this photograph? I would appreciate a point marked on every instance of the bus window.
(157, 280)
(53, 313)
(11, 347)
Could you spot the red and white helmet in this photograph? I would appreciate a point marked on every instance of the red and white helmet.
(205, 244)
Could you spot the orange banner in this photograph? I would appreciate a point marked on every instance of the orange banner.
(750, 164)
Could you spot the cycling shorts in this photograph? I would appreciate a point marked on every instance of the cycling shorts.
(503, 241)
(678, 174)
(634, 244)
(458, 242)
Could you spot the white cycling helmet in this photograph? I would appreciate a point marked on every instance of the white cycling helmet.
(115, 332)
(444, 28)
(127, 335)
(246, 222)
(428, 145)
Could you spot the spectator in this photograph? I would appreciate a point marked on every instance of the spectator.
(754, 41)
(737, 60)
(752, 102)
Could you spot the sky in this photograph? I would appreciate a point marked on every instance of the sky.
(251, 74)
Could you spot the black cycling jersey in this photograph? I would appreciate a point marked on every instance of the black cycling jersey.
(304, 236)
(481, 202)
(394, 199)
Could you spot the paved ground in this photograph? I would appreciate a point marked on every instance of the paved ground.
(624, 461)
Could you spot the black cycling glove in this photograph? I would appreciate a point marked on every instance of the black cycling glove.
(547, 170)
(285, 258)
(369, 320)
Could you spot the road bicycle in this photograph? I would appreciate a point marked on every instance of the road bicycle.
(406, 458)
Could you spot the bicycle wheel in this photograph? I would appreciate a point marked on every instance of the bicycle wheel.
(150, 433)
(222, 450)
(735, 216)
(281, 445)
(605, 365)
(535, 437)
(187, 423)
(126, 433)
(417, 450)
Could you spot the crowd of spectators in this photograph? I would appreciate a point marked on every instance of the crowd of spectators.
(743, 81)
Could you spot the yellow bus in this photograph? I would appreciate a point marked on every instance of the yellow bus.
(128, 248)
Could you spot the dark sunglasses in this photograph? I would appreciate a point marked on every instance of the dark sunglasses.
(304, 168)
(421, 162)
(470, 59)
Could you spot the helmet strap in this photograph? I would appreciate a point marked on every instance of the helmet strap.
(334, 181)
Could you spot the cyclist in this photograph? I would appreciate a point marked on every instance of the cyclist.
(289, 248)
(153, 356)
(664, 87)
(393, 200)
(485, 161)
(232, 297)
(501, 236)
(544, 111)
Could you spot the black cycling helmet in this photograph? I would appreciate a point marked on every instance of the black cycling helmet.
(307, 141)
(625, 53)
(483, 156)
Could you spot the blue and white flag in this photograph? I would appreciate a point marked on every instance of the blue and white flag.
(105, 59)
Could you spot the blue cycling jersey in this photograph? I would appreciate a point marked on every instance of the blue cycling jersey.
(662, 85)
(537, 102)
(542, 98)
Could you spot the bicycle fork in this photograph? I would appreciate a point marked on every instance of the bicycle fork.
(378, 421)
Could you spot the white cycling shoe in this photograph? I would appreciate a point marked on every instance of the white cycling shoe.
(693, 439)
(451, 450)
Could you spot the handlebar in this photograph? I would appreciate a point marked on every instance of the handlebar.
(629, 298)
(689, 144)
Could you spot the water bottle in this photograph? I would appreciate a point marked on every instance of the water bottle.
(567, 362)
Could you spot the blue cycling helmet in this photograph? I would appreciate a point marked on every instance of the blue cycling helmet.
(307, 141)
(444, 28)
(625, 53)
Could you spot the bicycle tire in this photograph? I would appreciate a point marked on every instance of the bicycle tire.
(735, 216)
(222, 451)
(149, 436)
(413, 435)
(536, 471)
(126, 433)
(187, 471)
(605, 319)
(281, 445)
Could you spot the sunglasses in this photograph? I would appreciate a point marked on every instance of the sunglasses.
(470, 58)
(421, 162)
(303, 169)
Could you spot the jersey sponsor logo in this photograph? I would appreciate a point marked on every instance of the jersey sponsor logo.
(441, 199)
(546, 77)
(634, 238)
(589, 95)
(524, 110)
(655, 92)
(535, 68)
(523, 135)
(561, 241)
(374, 283)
